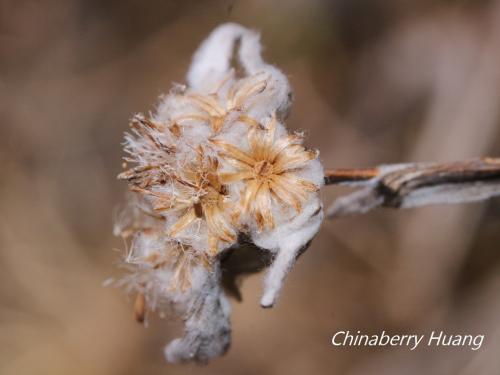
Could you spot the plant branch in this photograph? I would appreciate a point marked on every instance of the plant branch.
(415, 184)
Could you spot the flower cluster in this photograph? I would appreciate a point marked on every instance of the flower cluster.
(215, 161)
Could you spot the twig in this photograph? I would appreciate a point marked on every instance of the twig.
(415, 184)
(336, 176)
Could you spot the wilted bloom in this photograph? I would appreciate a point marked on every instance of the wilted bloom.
(217, 107)
(195, 193)
(150, 262)
(267, 170)
(212, 165)
(154, 258)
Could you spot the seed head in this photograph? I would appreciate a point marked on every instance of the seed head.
(214, 162)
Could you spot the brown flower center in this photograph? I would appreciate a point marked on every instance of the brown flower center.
(211, 197)
(263, 169)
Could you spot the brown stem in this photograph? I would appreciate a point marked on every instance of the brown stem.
(416, 184)
(339, 175)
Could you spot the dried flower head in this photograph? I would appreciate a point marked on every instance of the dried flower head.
(268, 172)
(216, 108)
(194, 193)
(215, 161)
(157, 264)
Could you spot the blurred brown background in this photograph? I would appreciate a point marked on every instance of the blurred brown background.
(375, 81)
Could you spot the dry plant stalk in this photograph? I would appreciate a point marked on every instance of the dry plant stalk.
(415, 184)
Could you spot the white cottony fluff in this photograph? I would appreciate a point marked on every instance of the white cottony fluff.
(287, 240)
(215, 164)
(207, 323)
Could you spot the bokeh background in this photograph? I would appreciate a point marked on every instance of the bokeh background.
(375, 81)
